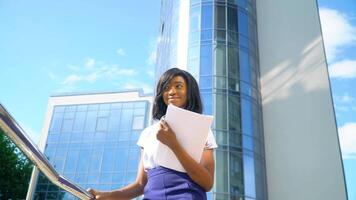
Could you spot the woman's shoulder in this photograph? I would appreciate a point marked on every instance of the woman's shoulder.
(147, 134)
(149, 129)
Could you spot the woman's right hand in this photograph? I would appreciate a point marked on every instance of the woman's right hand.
(97, 194)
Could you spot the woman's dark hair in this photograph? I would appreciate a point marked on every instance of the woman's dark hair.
(193, 95)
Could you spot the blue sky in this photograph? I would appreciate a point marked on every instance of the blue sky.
(338, 19)
(49, 47)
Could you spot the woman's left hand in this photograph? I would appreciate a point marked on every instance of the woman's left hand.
(166, 135)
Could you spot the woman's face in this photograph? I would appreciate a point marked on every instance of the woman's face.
(176, 92)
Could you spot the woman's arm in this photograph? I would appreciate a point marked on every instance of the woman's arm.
(202, 173)
(128, 192)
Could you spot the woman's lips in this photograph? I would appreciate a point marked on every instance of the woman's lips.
(173, 99)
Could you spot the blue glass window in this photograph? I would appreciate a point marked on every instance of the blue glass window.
(220, 82)
(205, 82)
(128, 105)
(71, 161)
(138, 122)
(141, 104)
(245, 71)
(90, 122)
(121, 159)
(116, 106)
(242, 3)
(243, 41)
(242, 22)
(69, 115)
(247, 121)
(208, 105)
(221, 178)
(133, 159)
(194, 52)
(126, 119)
(234, 113)
(220, 22)
(232, 19)
(67, 125)
(232, 61)
(79, 121)
(84, 159)
(194, 18)
(56, 122)
(249, 176)
(96, 159)
(194, 37)
(206, 60)
(108, 158)
(220, 111)
(58, 109)
(206, 16)
(220, 35)
(102, 124)
(193, 66)
(220, 60)
(118, 177)
(206, 35)
(248, 142)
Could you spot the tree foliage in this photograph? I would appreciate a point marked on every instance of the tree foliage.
(15, 170)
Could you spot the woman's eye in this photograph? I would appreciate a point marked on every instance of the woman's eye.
(179, 86)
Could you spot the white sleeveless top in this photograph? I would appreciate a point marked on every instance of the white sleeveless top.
(149, 143)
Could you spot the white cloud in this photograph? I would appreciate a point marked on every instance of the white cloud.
(73, 78)
(341, 108)
(337, 31)
(347, 135)
(104, 72)
(344, 103)
(121, 52)
(138, 85)
(89, 63)
(121, 72)
(346, 98)
(343, 69)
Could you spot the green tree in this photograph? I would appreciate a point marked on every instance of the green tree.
(15, 170)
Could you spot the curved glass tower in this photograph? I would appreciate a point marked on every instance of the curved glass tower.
(216, 41)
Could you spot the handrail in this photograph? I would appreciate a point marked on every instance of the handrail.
(22, 141)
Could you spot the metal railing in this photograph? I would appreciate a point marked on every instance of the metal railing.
(23, 142)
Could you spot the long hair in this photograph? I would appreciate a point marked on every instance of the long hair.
(194, 102)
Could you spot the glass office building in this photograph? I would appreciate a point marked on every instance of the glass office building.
(93, 144)
(216, 41)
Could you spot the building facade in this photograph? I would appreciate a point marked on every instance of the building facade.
(262, 72)
(91, 140)
(216, 41)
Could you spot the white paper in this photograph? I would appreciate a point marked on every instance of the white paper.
(191, 130)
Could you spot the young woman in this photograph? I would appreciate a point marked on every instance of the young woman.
(179, 88)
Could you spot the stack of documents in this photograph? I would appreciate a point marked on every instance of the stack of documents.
(191, 130)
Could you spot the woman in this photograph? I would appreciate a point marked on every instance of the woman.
(179, 88)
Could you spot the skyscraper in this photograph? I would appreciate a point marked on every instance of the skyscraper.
(262, 73)
(91, 140)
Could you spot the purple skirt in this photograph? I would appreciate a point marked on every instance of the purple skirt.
(166, 184)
